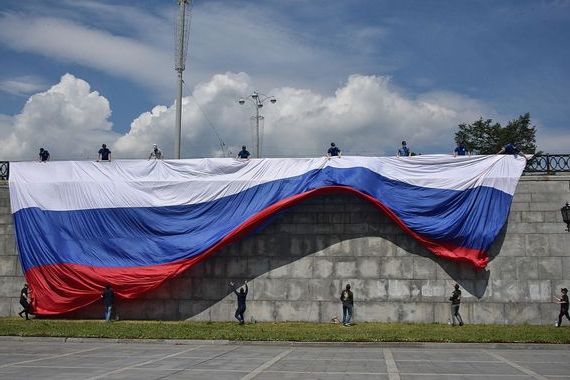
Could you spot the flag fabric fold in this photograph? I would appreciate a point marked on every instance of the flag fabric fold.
(134, 224)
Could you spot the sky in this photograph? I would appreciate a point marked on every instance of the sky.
(365, 74)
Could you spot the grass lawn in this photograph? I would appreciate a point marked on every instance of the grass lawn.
(286, 331)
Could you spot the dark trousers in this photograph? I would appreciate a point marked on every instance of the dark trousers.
(26, 307)
(346, 314)
(239, 313)
(455, 314)
(563, 312)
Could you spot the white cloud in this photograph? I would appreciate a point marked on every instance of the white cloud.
(20, 86)
(69, 119)
(366, 116)
(68, 41)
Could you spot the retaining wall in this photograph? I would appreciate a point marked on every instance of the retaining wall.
(299, 263)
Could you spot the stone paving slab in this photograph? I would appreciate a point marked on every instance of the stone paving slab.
(38, 358)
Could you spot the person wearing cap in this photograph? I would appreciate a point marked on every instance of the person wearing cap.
(455, 303)
(155, 153)
(243, 153)
(334, 151)
(347, 299)
(104, 153)
(404, 151)
(44, 155)
(563, 301)
(25, 302)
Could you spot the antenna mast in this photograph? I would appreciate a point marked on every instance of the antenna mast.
(182, 32)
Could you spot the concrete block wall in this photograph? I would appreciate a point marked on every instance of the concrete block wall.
(297, 265)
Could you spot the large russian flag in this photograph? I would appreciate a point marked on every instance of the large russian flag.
(135, 224)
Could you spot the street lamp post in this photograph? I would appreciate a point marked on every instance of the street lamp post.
(257, 100)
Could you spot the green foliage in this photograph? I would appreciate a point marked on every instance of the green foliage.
(486, 137)
(286, 331)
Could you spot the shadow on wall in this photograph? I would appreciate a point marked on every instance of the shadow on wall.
(322, 226)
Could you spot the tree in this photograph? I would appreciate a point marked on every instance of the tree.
(486, 137)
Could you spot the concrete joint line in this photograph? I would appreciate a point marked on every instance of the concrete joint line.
(391, 367)
(141, 364)
(266, 365)
(51, 357)
(517, 366)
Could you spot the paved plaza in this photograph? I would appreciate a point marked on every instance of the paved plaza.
(36, 358)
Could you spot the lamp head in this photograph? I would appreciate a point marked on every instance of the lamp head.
(241, 101)
(254, 95)
(273, 100)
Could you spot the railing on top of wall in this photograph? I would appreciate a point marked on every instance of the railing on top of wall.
(538, 164)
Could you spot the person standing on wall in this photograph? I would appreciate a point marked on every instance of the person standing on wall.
(25, 302)
(104, 153)
(347, 299)
(243, 153)
(44, 155)
(455, 303)
(563, 301)
(241, 298)
(404, 151)
(108, 297)
(155, 153)
(334, 151)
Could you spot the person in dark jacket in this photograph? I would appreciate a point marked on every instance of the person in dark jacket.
(563, 301)
(25, 302)
(455, 303)
(108, 297)
(347, 299)
(241, 298)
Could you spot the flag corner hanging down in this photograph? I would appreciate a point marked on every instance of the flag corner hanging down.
(134, 224)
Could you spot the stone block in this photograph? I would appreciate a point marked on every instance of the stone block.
(279, 268)
(330, 310)
(522, 313)
(302, 218)
(539, 290)
(270, 289)
(368, 267)
(10, 286)
(566, 267)
(194, 310)
(417, 312)
(215, 266)
(550, 268)
(545, 206)
(322, 267)
(532, 217)
(552, 216)
(301, 245)
(522, 228)
(297, 289)
(521, 197)
(377, 312)
(260, 311)
(257, 266)
(520, 206)
(424, 268)
(323, 290)
(559, 244)
(435, 290)
(487, 313)
(399, 289)
(506, 291)
(515, 217)
(527, 268)
(237, 267)
(345, 269)
(504, 268)
(209, 289)
(537, 245)
(224, 311)
(302, 268)
(6, 307)
(359, 246)
(379, 246)
(374, 290)
(297, 311)
(550, 228)
(397, 267)
(8, 265)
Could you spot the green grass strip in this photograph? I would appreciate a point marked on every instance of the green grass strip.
(286, 331)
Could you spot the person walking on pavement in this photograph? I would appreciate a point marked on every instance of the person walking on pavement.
(455, 303)
(347, 299)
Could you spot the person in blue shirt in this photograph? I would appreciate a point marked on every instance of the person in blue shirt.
(460, 150)
(334, 151)
(44, 155)
(510, 148)
(104, 154)
(241, 297)
(244, 154)
(404, 151)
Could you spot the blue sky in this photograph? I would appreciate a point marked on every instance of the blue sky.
(365, 74)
